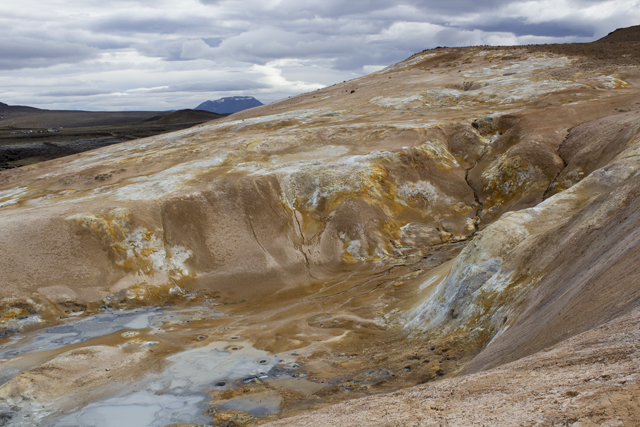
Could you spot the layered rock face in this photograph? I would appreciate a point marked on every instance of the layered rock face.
(478, 200)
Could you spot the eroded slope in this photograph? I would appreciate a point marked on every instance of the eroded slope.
(452, 212)
(306, 186)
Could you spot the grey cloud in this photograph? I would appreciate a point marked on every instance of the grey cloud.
(336, 27)
(213, 86)
(212, 41)
(169, 49)
(268, 43)
(329, 8)
(459, 7)
(98, 41)
(520, 27)
(454, 37)
(257, 47)
(154, 25)
(357, 9)
(295, 9)
(180, 49)
(18, 52)
(339, 17)
(75, 92)
(337, 30)
(360, 59)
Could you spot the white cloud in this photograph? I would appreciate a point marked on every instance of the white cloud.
(171, 54)
(274, 78)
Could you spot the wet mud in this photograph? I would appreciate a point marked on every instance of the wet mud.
(214, 362)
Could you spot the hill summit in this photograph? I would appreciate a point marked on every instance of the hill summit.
(630, 34)
(229, 104)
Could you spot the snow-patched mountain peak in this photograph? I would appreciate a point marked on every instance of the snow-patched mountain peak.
(229, 104)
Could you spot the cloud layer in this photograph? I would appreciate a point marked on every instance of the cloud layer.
(138, 55)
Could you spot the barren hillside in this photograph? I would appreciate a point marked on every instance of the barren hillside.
(460, 210)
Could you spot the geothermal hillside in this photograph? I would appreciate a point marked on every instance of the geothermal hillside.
(461, 228)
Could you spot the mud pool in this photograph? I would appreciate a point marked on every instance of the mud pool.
(207, 362)
(179, 393)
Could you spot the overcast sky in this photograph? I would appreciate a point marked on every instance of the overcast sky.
(170, 54)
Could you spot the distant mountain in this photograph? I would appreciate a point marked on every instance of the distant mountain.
(230, 104)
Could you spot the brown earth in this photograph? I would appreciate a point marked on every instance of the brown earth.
(457, 211)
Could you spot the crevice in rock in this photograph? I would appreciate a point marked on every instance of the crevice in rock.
(253, 231)
(439, 254)
(553, 182)
(295, 218)
(475, 193)
(268, 200)
(302, 244)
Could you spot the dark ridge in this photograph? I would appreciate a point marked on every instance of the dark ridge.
(185, 116)
(621, 35)
(20, 146)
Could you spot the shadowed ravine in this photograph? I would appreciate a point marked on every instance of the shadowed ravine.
(452, 213)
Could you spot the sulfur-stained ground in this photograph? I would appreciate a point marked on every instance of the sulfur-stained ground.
(447, 215)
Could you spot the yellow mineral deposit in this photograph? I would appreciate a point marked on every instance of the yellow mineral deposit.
(457, 211)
